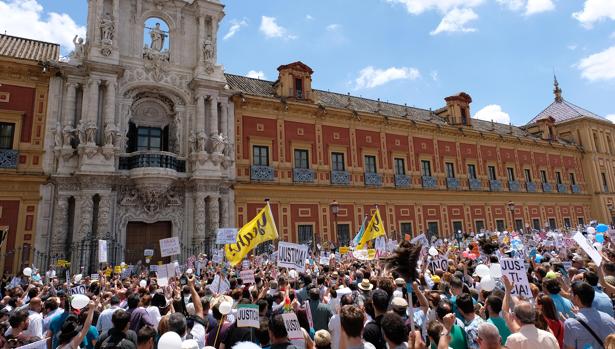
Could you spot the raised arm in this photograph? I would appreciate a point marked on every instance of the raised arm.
(196, 299)
(76, 341)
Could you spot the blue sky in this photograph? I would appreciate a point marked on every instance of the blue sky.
(502, 52)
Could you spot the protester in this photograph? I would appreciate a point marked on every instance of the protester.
(528, 336)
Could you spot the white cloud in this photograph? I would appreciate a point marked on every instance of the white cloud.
(572, 47)
(493, 112)
(271, 29)
(26, 18)
(455, 21)
(599, 66)
(333, 27)
(595, 11)
(236, 26)
(309, 17)
(370, 77)
(531, 7)
(514, 5)
(611, 118)
(416, 7)
(256, 74)
(434, 75)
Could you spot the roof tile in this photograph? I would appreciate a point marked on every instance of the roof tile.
(22, 48)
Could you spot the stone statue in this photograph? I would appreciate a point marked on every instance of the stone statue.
(219, 143)
(57, 136)
(80, 132)
(208, 51)
(107, 29)
(68, 135)
(192, 141)
(79, 51)
(157, 35)
(110, 133)
(90, 133)
(200, 141)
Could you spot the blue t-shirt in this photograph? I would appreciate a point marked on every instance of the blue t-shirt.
(92, 335)
(562, 305)
(55, 326)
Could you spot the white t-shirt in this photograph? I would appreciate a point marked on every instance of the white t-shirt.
(198, 333)
(35, 326)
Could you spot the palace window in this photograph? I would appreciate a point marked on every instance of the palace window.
(567, 223)
(528, 175)
(7, 132)
(558, 177)
(337, 162)
(552, 224)
(432, 229)
(370, 164)
(149, 138)
(450, 170)
(400, 166)
(511, 173)
(298, 88)
(301, 158)
(543, 176)
(581, 221)
(573, 180)
(605, 184)
(480, 225)
(472, 171)
(260, 155)
(500, 225)
(536, 223)
(305, 234)
(426, 168)
(343, 234)
(491, 173)
(405, 228)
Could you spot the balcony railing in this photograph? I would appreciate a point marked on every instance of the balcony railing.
(429, 181)
(531, 187)
(303, 175)
(452, 183)
(547, 188)
(373, 179)
(340, 177)
(495, 185)
(475, 184)
(562, 188)
(152, 159)
(262, 173)
(402, 181)
(576, 188)
(8, 158)
(514, 186)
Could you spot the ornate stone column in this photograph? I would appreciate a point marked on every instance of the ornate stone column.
(213, 217)
(93, 90)
(213, 115)
(60, 227)
(199, 219)
(69, 104)
(224, 210)
(79, 248)
(201, 40)
(109, 108)
(200, 113)
(104, 215)
(224, 122)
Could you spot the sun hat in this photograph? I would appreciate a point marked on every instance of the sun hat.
(399, 282)
(365, 285)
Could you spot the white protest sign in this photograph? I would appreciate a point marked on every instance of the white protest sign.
(324, 260)
(292, 256)
(245, 264)
(439, 262)
(589, 249)
(77, 290)
(148, 253)
(226, 236)
(421, 240)
(170, 247)
(218, 256)
(247, 276)
(219, 286)
(247, 315)
(308, 311)
(514, 270)
(42, 344)
(102, 251)
(94, 277)
(153, 267)
(292, 326)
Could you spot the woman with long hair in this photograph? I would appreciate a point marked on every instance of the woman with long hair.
(548, 313)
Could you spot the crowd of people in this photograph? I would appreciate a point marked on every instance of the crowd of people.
(346, 304)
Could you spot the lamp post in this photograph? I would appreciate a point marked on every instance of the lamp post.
(511, 207)
(335, 209)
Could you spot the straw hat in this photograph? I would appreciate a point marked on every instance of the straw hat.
(365, 285)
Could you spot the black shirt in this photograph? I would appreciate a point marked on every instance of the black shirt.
(372, 333)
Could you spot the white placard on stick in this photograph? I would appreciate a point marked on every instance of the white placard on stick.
(514, 270)
(148, 252)
(292, 326)
(247, 276)
(589, 249)
(102, 251)
(292, 256)
(247, 315)
(170, 247)
(77, 290)
(226, 236)
(439, 262)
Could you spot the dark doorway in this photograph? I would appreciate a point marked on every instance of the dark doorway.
(141, 236)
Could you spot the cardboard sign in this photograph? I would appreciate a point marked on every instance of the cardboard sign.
(439, 262)
(247, 315)
(102, 251)
(589, 249)
(292, 326)
(324, 260)
(516, 272)
(219, 286)
(170, 247)
(245, 264)
(218, 256)
(421, 240)
(226, 236)
(77, 290)
(344, 249)
(94, 277)
(247, 276)
(292, 256)
(148, 253)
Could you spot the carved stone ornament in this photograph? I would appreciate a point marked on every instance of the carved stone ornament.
(151, 199)
(156, 63)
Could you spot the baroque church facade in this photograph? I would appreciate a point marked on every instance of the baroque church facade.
(139, 134)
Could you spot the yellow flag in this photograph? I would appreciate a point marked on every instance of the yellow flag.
(260, 229)
(374, 229)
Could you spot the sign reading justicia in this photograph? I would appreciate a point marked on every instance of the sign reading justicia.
(292, 256)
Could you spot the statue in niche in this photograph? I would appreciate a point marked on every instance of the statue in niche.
(201, 138)
(107, 29)
(80, 132)
(157, 36)
(208, 51)
(192, 141)
(110, 133)
(79, 51)
(219, 143)
(57, 136)
(67, 135)
(90, 133)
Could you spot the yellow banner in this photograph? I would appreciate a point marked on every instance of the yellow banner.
(374, 229)
(371, 254)
(117, 269)
(344, 249)
(108, 272)
(260, 229)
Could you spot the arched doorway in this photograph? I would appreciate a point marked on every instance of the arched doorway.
(141, 236)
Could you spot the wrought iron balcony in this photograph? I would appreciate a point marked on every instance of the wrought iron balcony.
(373, 179)
(495, 185)
(475, 184)
(429, 181)
(155, 159)
(8, 158)
(452, 183)
(303, 175)
(402, 181)
(576, 188)
(340, 177)
(547, 188)
(531, 187)
(562, 188)
(261, 173)
(514, 186)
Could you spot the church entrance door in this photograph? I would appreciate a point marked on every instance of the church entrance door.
(141, 236)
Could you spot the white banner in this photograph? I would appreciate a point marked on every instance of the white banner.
(514, 270)
(247, 276)
(42, 344)
(102, 251)
(170, 247)
(226, 236)
(589, 249)
(292, 326)
(247, 316)
(439, 262)
(77, 290)
(292, 256)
